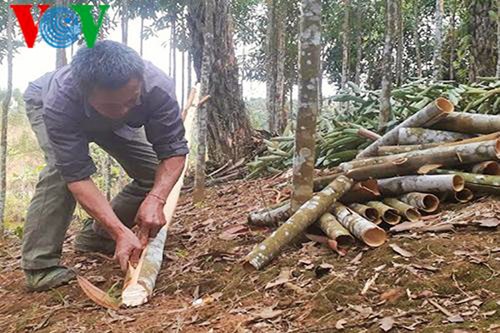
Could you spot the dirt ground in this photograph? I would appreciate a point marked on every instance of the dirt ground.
(445, 281)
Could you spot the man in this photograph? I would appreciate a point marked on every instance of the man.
(106, 95)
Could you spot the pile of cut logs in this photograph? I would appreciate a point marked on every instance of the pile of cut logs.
(434, 155)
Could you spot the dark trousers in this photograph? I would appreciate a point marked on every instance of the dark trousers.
(53, 205)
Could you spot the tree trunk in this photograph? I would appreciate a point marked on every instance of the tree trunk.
(498, 39)
(309, 213)
(482, 29)
(189, 72)
(359, 59)
(453, 41)
(275, 65)
(141, 38)
(5, 118)
(173, 46)
(416, 41)
(400, 49)
(201, 119)
(61, 59)
(438, 41)
(345, 45)
(124, 22)
(309, 72)
(229, 131)
(183, 77)
(425, 117)
(385, 95)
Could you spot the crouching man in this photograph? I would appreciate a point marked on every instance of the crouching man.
(127, 106)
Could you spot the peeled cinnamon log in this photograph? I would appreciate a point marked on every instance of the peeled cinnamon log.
(334, 230)
(369, 213)
(388, 214)
(423, 118)
(305, 216)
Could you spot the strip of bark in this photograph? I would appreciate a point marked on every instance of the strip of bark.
(361, 228)
(428, 203)
(427, 183)
(305, 216)
(423, 118)
(410, 213)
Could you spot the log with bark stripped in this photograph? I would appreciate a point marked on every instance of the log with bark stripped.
(388, 214)
(428, 183)
(409, 212)
(305, 216)
(428, 203)
(423, 118)
(334, 230)
(369, 213)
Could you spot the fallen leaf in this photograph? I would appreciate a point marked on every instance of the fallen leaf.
(283, 278)
(268, 313)
(233, 232)
(407, 226)
(489, 223)
(340, 324)
(489, 313)
(455, 319)
(387, 324)
(392, 295)
(401, 251)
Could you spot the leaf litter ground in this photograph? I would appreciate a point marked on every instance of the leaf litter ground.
(440, 279)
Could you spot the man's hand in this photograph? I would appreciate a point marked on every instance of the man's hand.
(150, 218)
(128, 249)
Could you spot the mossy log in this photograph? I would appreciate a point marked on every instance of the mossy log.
(270, 216)
(423, 118)
(471, 123)
(392, 150)
(369, 213)
(441, 156)
(428, 203)
(305, 216)
(334, 230)
(473, 178)
(483, 189)
(486, 168)
(388, 214)
(361, 228)
(427, 183)
(409, 212)
(417, 136)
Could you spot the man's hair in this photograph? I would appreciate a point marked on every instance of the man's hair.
(108, 65)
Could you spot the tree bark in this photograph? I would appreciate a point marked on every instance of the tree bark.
(473, 178)
(400, 48)
(305, 132)
(470, 123)
(310, 212)
(270, 216)
(416, 41)
(482, 28)
(361, 228)
(388, 214)
(438, 41)
(437, 157)
(410, 213)
(416, 136)
(229, 135)
(385, 94)
(429, 183)
(498, 39)
(124, 21)
(334, 230)
(61, 59)
(345, 45)
(201, 120)
(173, 45)
(428, 203)
(5, 119)
(423, 118)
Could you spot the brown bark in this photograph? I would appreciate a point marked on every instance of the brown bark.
(429, 183)
(470, 123)
(441, 156)
(308, 213)
(309, 73)
(425, 117)
(361, 228)
(410, 213)
(428, 203)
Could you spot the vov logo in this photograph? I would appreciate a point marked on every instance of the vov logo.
(59, 26)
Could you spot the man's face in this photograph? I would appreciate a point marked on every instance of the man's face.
(116, 103)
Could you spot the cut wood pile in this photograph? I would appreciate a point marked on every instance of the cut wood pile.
(433, 156)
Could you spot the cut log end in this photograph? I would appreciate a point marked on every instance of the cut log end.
(391, 217)
(345, 240)
(372, 214)
(374, 237)
(444, 105)
(134, 295)
(412, 215)
(458, 183)
(487, 168)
